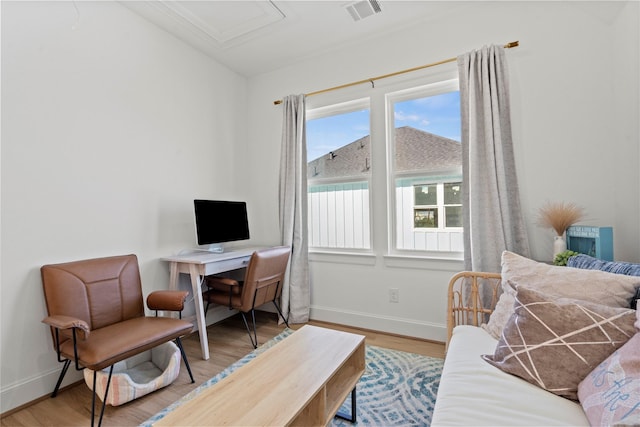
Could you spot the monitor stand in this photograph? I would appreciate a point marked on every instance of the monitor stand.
(213, 248)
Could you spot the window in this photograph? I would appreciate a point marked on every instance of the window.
(425, 212)
(418, 155)
(426, 160)
(338, 176)
(453, 205)
(437, 205)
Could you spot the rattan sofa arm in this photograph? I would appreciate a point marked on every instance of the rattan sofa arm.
(464, 303)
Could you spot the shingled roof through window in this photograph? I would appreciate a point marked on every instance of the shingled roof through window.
(416, 150)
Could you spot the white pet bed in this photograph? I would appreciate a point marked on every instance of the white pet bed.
(139, 375)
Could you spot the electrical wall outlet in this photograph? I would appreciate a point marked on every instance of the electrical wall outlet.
(394, 295)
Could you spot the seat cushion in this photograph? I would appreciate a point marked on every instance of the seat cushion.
(224, 284)
(113, 343)
(222, 298)
(475, 393)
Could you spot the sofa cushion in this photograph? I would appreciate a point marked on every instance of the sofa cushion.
(555, 342)
(610, 394)
(474, 393)
(610, 289)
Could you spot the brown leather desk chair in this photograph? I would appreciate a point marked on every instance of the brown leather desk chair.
(97, 318)
(262, 283)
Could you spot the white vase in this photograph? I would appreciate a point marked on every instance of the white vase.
(559, 245)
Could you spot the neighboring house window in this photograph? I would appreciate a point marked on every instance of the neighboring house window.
(426, 160)
(437, 205)
(338, 176)
(425, 212)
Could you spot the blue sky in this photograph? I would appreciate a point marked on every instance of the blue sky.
(439, 114)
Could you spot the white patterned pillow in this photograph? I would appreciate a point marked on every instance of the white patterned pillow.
(614, 290)
(610, 394)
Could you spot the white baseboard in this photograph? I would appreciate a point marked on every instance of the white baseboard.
(30, 389)
(215, 314)
(393, 325)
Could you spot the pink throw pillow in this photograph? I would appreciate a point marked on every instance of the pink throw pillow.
(610, 394)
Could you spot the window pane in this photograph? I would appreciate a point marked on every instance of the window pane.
(427, 168)
(339, 146)
(427, 133)
(338, 169)
(426, 218)
(338, 215)
(453, 193)
(453, 216)
(426, 195)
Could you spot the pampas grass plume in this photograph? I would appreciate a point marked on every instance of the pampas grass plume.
(560, 216)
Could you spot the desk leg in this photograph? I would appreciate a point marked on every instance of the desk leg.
(197, 299)
(173, 275)
(173, 284)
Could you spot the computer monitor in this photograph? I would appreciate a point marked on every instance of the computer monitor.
(219, 221)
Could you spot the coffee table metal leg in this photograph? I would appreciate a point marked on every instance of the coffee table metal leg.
(353, 409)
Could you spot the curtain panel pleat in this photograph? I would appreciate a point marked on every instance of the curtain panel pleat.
(293, 209)
(492, 214)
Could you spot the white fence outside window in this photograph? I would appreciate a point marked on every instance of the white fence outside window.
(339, 215)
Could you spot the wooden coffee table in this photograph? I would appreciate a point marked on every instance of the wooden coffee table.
(303, 380)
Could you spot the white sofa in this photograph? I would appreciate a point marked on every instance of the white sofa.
(473, 392)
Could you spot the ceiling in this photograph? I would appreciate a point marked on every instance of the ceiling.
(257, 36)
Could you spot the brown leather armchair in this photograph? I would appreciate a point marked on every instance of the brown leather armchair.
(97, 318)
(262, 283)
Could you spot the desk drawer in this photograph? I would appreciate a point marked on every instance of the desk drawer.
(223, 266)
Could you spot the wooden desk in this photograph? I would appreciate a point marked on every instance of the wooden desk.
(302, 380)
(198, 265)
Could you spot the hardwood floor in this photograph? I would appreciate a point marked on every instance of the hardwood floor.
(228, 342)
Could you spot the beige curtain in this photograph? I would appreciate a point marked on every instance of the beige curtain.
(492, 215)
(293, 209)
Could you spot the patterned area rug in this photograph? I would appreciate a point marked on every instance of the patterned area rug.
(397, 388)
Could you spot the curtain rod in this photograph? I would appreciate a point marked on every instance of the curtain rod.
(409, 70)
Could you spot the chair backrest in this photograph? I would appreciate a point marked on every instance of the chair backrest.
(100, 291)
(264, 276)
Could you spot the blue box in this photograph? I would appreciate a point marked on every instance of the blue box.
(593, 241)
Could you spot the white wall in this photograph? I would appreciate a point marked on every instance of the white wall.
(110, 128)
(575, 96)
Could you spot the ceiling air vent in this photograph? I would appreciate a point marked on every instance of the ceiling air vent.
(363, 9)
